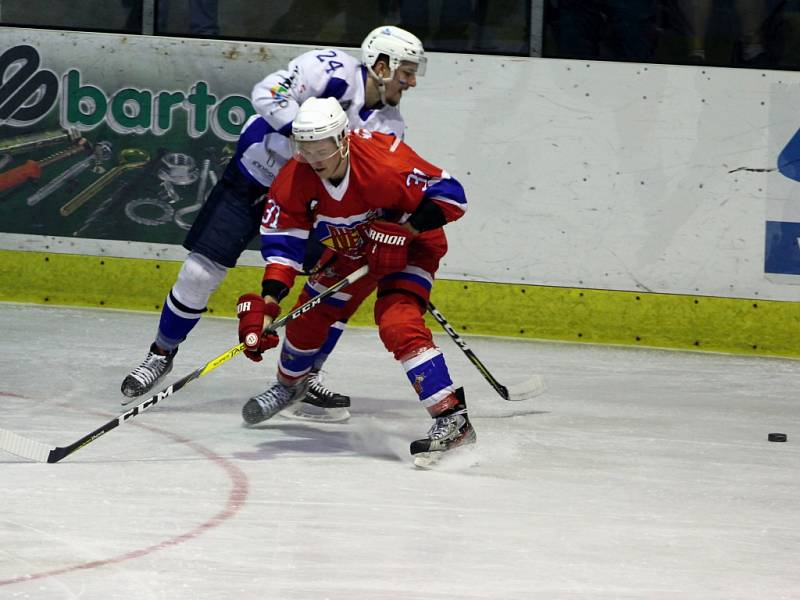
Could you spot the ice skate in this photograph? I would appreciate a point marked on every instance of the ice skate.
(273, 400)
(319, 395)
(154, 367)
(450, 430)
(320, 404)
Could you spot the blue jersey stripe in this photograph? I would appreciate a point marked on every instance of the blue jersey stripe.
(401, 275)
(284, 246)
(335, 89)
(253, 134)
(447, 188)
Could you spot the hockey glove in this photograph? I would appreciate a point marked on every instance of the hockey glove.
(254, 315)
(387, 247)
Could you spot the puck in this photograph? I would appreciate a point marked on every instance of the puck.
(776, 437)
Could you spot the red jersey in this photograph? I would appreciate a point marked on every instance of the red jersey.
(385, 179)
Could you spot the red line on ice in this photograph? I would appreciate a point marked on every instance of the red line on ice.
(236, 499)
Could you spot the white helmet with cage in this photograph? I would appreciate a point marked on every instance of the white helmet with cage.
(319, 119)
(398, 44)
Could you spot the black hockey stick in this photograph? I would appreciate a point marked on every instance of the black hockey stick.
(520, 391)
(33, 450)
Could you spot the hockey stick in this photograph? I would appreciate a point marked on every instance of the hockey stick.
(33, 450)
(521, 391)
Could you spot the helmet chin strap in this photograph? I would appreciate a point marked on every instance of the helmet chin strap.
(381, 81)
(344, 153)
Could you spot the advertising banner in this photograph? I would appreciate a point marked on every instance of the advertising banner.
(118, 138)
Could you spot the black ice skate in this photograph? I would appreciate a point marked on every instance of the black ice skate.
(319, 395)
(320, 404)
(154, 367)
(450, 429)
(273, 400)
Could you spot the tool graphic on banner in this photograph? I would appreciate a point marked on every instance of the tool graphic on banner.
(97, 220)
(29, 142)
(203, 189)
(130, 158)
(32, 169)
(178, 169)
(102, 153)
(167, 212)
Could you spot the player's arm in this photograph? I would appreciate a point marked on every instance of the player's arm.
(442, 202)
(318, 73)
(284, 232)
(429, 202)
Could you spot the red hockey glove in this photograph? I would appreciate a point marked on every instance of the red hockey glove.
(252, 310)
(387, 247)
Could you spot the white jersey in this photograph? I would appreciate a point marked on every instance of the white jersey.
(264, 145)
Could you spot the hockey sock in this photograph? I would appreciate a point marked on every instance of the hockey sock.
(334, 333)
(294, 363)
(177, 320)
(198, 278)
(428, 374)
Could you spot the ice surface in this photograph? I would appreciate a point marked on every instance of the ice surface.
(639, 474)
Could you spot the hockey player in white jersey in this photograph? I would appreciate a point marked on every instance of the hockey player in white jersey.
(369, 90)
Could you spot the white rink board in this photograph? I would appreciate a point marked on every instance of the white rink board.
(610, 175)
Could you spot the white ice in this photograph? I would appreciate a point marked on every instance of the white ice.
(639, 474)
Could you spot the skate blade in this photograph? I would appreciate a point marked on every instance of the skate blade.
(461, 457)
(456, 459)
(127, 399)
(427, 460)
(328, 415)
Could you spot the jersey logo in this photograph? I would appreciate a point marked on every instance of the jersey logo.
(279, 91)
(417, 385)
(342, 239)
(346, 239)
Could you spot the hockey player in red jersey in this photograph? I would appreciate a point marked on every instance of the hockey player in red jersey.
(370, 199)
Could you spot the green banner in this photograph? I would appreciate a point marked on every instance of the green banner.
(119, 138)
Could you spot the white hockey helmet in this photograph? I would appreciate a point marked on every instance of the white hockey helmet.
(398, 44)
(319, 119)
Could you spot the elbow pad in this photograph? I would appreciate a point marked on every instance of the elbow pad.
(428, 215)
(276, 289)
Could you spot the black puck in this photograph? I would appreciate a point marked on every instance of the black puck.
(777, 437)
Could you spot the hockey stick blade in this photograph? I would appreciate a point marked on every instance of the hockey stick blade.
(525, 390)
(24, 447)
(37, 451)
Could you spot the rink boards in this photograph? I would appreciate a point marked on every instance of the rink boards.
(744, 326)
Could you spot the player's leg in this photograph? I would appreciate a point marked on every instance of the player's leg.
(304, 337)
(319, 396)
(198, 278)
(399, 312)
(321, 404)
(400, 319)
(224, 226)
